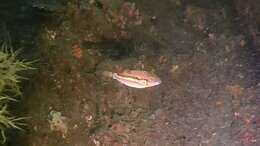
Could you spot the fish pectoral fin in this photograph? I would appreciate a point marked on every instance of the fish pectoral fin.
(144, 82)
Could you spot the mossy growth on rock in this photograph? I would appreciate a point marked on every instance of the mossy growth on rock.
(10, 66)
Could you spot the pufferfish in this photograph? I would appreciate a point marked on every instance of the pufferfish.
(135, 78)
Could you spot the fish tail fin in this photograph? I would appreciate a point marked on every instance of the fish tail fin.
(108, 74)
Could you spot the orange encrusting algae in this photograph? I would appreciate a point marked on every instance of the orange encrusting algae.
(77, 52)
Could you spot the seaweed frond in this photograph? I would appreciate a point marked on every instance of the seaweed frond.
(10, 67)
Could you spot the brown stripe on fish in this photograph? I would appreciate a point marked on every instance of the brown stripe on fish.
(133, 83)
(126, 76)
(130, 79)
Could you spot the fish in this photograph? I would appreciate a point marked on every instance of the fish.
(136, 78)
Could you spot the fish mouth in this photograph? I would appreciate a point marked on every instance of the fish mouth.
(157, 82)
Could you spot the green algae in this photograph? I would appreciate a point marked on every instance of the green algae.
(10, 67)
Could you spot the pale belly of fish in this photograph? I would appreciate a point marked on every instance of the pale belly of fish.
(137, 79)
